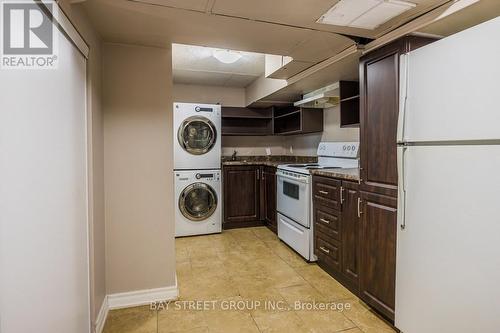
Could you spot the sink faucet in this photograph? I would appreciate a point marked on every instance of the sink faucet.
(233, 156)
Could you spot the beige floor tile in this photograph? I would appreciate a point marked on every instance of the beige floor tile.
(264, 233)
(177, 320)
(324, 283)
(182, 255)
(325, 321)
(366, 320)
(301, 293)
(281, 278)
(249, 264)
(201, 288)
(353, 330)
(131, 320)
(195, 330)
(280, 322)
(183, 270)
(230, 322)
(288, 255)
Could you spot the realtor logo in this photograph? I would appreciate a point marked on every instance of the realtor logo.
(27, 35)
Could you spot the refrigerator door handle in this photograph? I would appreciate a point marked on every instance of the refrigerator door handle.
(403, 96)
(402, 186)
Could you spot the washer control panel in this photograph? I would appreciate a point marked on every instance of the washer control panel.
(201, 176)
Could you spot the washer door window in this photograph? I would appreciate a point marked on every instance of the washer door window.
(197, 135)
(198, 202)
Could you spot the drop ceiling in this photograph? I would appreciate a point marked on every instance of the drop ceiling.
(197, 65)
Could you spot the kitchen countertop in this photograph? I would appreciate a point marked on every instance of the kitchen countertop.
(346, 174)
(272, 161)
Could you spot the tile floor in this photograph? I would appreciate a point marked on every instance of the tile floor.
(252, 270)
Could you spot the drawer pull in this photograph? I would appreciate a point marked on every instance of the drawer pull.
(323, 192)
(324, 221)
(324, 250)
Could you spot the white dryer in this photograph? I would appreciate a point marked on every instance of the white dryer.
(197, 136)
(199, 208)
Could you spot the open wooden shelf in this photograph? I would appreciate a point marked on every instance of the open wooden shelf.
(247, 121)
(349, 104)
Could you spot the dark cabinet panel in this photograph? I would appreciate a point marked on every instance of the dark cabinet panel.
(327, 221)
(379, 122)
(269, 197)
(378, 252)
(241, 195)
(328, 251)
(379, 109)
(350, 232)
(326, 192)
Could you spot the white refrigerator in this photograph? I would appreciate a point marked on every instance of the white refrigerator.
(448, 242)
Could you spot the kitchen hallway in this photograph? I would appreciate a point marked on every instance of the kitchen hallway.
(250, 269)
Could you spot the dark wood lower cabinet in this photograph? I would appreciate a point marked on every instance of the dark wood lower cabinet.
(378, 252)
(269, 197)
(249, 196)
(355, 241)
(336, 229)
(350, 232)
(241, 196)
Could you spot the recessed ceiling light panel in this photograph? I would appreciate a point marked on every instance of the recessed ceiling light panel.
(365, 14)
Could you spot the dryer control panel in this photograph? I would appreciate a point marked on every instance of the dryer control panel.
(208, 176)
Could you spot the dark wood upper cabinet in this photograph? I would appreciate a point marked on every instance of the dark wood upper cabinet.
(268, 201)
(350, 232)
(294, 120)
(241, 196)
(379, 109)
(378, 252)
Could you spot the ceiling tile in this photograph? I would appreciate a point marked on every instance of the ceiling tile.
(198, 5)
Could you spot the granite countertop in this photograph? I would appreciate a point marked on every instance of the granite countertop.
(272, 161)
(346, 174)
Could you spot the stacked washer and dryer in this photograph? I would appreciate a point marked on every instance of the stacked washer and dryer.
(197, 169)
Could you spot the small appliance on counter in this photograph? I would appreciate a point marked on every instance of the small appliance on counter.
(294, 194)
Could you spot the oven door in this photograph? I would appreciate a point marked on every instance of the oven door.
(294, 199)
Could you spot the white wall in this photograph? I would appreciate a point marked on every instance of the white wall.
(226, 96)
(138, 163)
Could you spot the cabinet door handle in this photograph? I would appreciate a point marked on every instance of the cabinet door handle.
(359, 207)
(324, 250)
(341, 195)
(323, 192)
(324, 221)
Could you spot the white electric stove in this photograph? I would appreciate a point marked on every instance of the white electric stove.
(294, 195)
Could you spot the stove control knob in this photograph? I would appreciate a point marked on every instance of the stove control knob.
(344, 147)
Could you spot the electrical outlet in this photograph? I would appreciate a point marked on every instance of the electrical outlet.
(268, 151)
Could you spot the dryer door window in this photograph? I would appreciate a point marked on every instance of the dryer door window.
(197, 135)
(198, 202)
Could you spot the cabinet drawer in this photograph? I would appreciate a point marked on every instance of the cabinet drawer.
(328, 251)
(327, 222)
(326, 191)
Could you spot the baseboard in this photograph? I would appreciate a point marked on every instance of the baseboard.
(102, 315)
(142, 297)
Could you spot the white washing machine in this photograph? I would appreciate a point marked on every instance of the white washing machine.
(197, 136)
(199, 202)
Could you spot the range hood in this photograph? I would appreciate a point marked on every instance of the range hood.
(322, 98)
